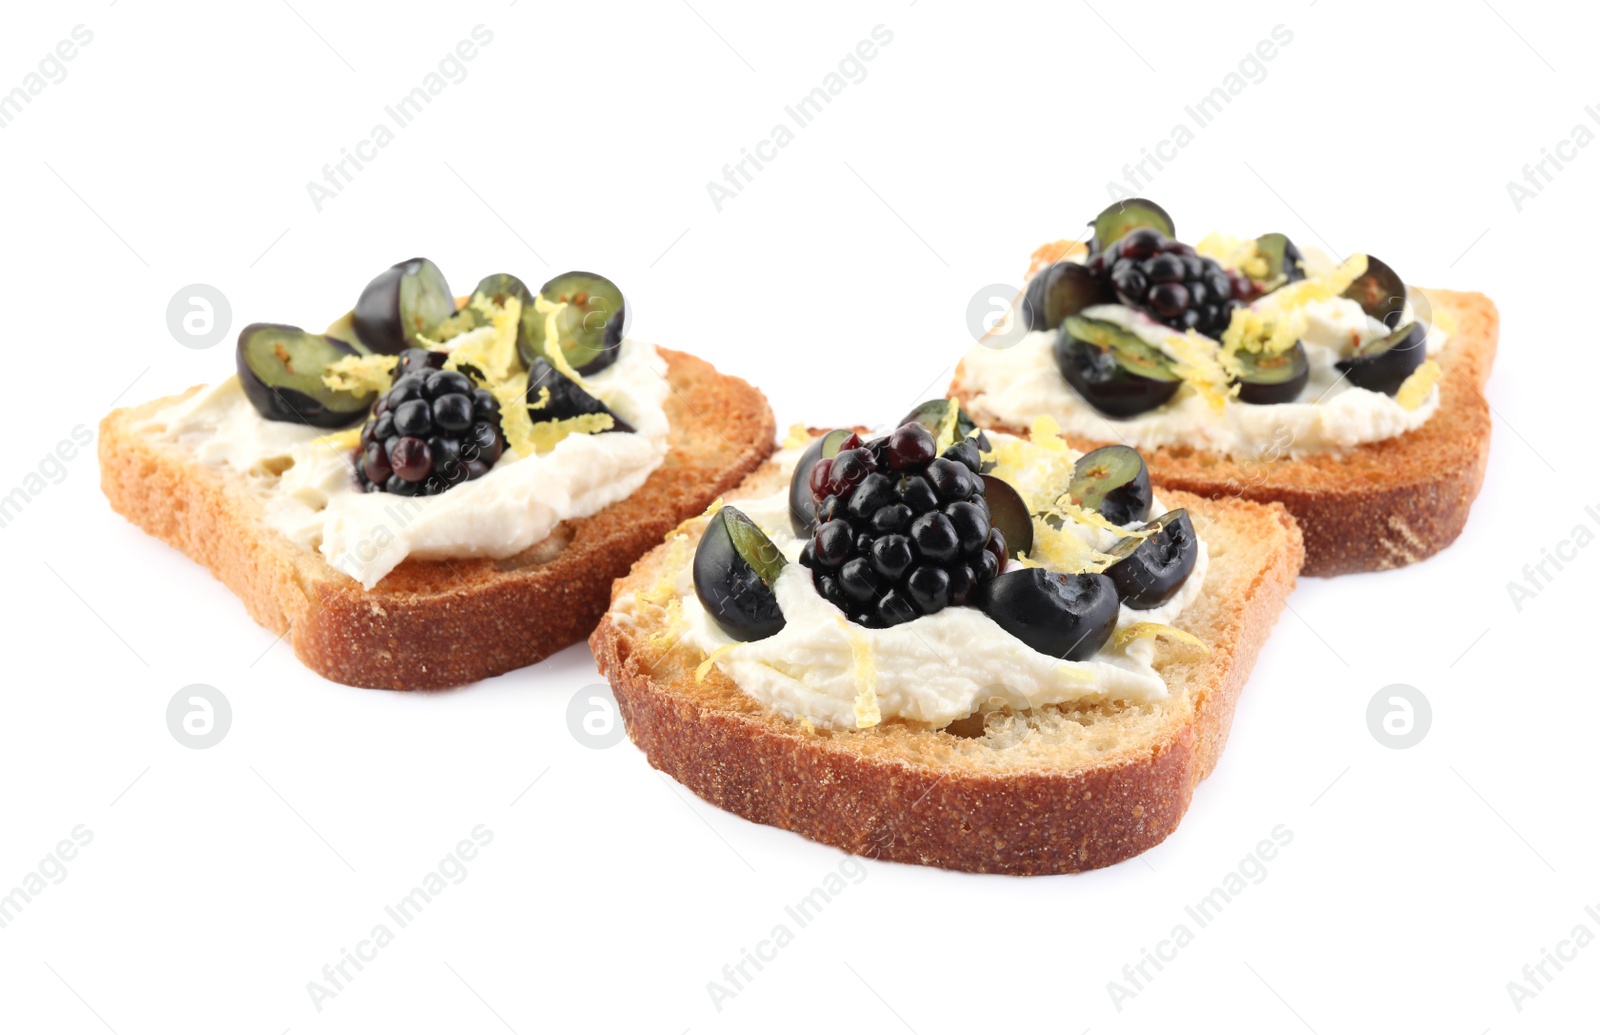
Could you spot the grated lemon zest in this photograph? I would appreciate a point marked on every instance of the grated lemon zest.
(1414, 390)
(1061, 550)
(1066, 508)
(1046, 434)
(1196, 359)
(515, 424)
(673, 626)
(798, 437)
(349, 438)
(806, 724)
(490, 347)
(552, 337)
(1284, 300)
(866, 676)
(548, 434)
(361, 374)
(665, 588)
(702, 669)
(1150, 630)
(1239, 253)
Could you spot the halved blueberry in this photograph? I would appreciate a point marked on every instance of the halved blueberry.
(566, 398)
(402, 303)
(735, 567)
(1114, 482)
(1060, 291)
(586, 326)
(1277, 378)
(281, 368)
(1113, 369)
(1380, 291)
(802, 506)
(1122, 216)
(1066, 616)
(1009, 514)
(1383, 364)
(1149, 570)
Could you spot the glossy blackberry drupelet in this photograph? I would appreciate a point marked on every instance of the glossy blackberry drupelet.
(430, 431)
(901, 532)
(1168, 281)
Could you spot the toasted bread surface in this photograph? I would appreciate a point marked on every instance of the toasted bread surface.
(1059, 789)
(435, 624)
(1376, 506)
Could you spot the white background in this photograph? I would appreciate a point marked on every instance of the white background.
(219, 882)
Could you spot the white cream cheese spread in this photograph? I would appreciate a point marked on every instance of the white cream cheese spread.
(309, 494)
(1013, 385)
(935, 669)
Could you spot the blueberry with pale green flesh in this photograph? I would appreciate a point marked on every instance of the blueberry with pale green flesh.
(802, 507)
(401, 304)
(1380, 291)
(587, 322)
(565, 398)
(1122, 216)
(735, 566)
(1383, 364)
(1277, 378)
(281, 368)
(1009, 514)
(1062, 290)
(933, 414)
(1285, 264)
(1065, 616)
(1112, 369)
(1114, 482)
(1148, 571)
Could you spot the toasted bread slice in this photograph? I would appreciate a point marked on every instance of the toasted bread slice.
(433, 624)
(1057, 790)
(1380, 505)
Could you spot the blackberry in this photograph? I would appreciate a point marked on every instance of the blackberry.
(431, 430)
(1168, 281)
(902, 532)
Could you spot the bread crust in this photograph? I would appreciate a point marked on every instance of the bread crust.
(1381, 505)
(436, 624)
(931, 797)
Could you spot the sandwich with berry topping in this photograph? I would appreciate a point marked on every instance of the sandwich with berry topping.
(1250, 368)
(436, 489)
(947, 646)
